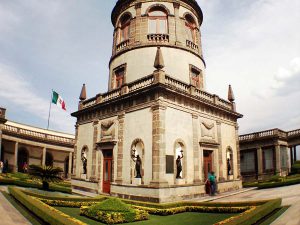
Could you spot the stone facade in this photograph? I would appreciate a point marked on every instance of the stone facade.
(267, 153)
(22, 143)
(150, 115)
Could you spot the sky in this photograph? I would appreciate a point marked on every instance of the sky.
(254, 45)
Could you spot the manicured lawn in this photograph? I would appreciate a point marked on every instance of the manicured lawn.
(178, 219)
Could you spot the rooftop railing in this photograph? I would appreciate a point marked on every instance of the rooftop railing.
(268, 133)
(150, 80)
(26, 133)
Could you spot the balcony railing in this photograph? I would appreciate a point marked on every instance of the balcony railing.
(122, 45)
(26, 133)
(158, 37)
(191, 45)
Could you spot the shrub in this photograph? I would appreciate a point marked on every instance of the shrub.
(280, 183)
(113, 211)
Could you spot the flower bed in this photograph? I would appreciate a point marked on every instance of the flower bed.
(113, 211)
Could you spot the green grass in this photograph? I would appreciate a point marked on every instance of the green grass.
(274, 216)
(23, 210)
(178, 219)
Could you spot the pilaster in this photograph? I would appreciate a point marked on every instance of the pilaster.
(259, 161)
(196, 149)
(75, 151)
(44, 156)
(70, 165)
(278, 159)
(220, 153)
(16, 157)
(237, 174)
(158, 145)
(95, 134)
(121, 119)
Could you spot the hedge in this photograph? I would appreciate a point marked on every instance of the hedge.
(252, 216)
(42, 210)
(279, 184)
(23, 183)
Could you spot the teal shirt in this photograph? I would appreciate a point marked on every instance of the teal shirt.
(211, 178)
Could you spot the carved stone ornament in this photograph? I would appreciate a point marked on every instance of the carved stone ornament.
(108, 129)
(208, 129)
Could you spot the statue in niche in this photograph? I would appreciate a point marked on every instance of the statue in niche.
(138, 163)
(207, 130)
(228, 166)
(108, 129)
(84, 161)
(179, 165)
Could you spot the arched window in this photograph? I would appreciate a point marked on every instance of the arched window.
(124, 28)
(191, 28)
(158, 21)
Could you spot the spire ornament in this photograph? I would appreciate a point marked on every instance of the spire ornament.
(159, 60)
(82, 96)
(230, 94)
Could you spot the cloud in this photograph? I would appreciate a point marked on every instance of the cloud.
(21, 93)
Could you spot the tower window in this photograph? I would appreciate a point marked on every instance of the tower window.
(124, 28)
(196, 77)
(158, 21)
(119, 76)
(190, 27)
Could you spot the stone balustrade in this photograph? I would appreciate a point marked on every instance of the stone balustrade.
(152, 80)
(191, 45)
(122, 45)
(264, 134)
(17, 131)
(158, 37)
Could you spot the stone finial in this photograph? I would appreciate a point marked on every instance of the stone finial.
(159, 60)
(230, 94)
(82, 96)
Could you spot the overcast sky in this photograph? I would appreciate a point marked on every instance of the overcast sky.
(254, 45)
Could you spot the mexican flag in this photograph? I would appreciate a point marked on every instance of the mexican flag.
(57, 99)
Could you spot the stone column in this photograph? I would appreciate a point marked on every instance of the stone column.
(121, 119)
(220, 153)
(158, 146)
(44, 156)
(278, 159)
(237, 174)
(177, 22)
(16, 157)
(295, 153)
(259, 161)
(137, 35)
(75, 152)
(95, 134)
(196, 150)
(70, 165)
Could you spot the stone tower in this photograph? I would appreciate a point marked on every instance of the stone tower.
(156, 134)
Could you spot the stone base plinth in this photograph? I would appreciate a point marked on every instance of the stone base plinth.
(83, 176)
(137, 181)
(87, 186)
(180, 181)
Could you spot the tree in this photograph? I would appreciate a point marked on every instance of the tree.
(46, 174)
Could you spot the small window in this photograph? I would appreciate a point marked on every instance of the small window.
(190, 27)
(118, 76)
(196, 77)
(158, 21)
(124, 29)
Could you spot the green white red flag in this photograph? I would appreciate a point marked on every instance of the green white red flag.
(58, 100)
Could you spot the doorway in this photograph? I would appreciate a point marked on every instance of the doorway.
(22, 159)
(207, 163)
(107, 170)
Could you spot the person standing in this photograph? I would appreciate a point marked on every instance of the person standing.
(212, 181)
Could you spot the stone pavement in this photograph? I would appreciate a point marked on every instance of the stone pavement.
(8, 214)
(290, 196)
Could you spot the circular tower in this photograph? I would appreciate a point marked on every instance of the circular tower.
(142, 25)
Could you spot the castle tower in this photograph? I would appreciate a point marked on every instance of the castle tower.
(141, 26)
(156, 134)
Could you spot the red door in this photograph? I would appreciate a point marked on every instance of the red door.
(207, 163)
(107, 174)
(107, 170)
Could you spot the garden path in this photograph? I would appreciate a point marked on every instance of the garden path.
(8, 214)
(290, 196)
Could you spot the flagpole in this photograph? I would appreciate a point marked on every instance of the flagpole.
(50, 109)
